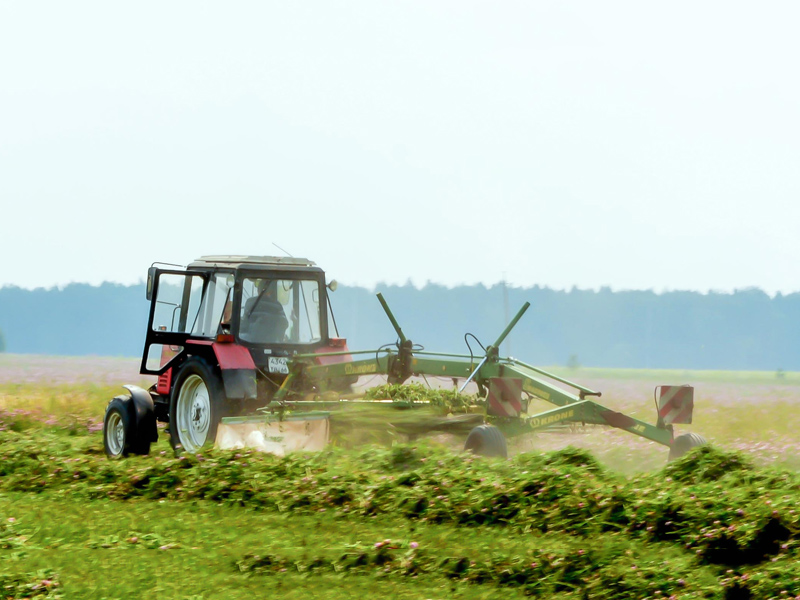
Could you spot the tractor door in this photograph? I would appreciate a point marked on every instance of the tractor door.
(176, 299)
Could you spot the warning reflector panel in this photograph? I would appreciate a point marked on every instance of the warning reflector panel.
(675, 403)
(505, 397)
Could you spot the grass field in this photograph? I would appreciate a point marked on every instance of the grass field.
(179, 550)
(608, 520)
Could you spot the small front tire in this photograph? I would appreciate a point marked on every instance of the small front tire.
(119, 430)
(486, 440)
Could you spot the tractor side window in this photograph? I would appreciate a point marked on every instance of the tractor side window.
(160, 355)
(308, 316)
(177, 302)
(217, 296)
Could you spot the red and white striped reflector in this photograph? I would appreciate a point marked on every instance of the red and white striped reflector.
(676, 403)
(505, 397)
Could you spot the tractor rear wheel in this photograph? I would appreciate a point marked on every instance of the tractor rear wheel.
(486, 440)
(119, 430)
(196, 406)
(683, 443)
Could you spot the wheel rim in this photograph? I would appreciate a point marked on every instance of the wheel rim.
(194, 413)
(115, 433)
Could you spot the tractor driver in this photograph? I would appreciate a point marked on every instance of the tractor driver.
(263, 319)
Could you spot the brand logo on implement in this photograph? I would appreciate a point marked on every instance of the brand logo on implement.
(542, 421)
(360, 369)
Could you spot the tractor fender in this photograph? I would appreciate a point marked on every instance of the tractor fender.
(238, 371)
(143, 413)
(236, 367)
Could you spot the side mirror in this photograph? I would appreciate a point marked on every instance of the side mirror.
(151, 279)
(332, 285)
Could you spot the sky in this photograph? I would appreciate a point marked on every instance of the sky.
(635, 145)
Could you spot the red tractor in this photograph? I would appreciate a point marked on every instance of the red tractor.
(219, 338)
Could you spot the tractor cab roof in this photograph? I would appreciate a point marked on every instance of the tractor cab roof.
(237, 261)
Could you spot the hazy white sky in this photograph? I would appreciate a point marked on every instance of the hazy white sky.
(630, 144)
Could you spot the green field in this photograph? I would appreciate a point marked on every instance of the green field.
(604, 519)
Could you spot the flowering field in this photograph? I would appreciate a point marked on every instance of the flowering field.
(67, 370)
(606, 518)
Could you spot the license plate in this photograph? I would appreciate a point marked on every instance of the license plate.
(278, 365)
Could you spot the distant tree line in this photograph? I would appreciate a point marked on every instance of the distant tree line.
(743, 330)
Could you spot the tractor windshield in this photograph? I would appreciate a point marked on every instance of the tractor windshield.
(280, 311)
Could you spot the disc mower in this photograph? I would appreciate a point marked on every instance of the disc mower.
(246, 353)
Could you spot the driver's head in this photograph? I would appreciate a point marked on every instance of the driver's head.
(267, 287)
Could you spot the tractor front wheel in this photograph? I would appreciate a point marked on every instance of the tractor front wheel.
(119, 430)
(683, 443)
(486, 440)
(196, 406)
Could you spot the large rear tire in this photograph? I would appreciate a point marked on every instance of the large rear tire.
(683, 443)
(120, 434)
(486, 440)
(196, 406)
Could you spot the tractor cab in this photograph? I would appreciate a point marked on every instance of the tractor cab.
(221, 336)
(270, 306)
